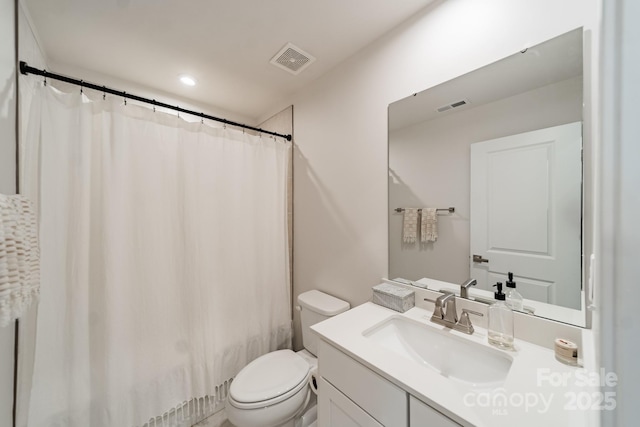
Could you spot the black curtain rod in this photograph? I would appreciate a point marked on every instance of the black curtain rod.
(26, 69)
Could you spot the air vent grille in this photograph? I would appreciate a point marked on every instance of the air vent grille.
(453, 105)
(292, 59)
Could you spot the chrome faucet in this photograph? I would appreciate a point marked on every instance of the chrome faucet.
(445, 313)
(464, 288)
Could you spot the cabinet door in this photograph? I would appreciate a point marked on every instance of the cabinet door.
(383, 400)
(423, 415)
(336, 410)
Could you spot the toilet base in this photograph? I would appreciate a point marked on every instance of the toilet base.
(309, 416)
(267, 416)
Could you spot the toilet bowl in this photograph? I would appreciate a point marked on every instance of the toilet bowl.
(278, 388)
(271, 390)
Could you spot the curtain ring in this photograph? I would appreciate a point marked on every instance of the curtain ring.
(45, 77)
(124, 95)
(104, 93)
(81, 86)
(177, 106)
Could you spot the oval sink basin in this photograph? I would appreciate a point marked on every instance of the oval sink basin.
(451, 356)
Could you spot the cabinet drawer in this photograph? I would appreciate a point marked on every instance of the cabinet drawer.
(336, 410)
(383, 400)
(423, 415)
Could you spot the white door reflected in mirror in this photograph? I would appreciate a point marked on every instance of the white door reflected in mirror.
(526, 213)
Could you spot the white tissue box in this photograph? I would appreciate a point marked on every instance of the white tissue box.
(394, 297)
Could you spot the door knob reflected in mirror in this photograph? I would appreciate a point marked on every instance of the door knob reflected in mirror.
(478, 258)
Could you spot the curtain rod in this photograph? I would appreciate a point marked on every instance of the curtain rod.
(26, 69)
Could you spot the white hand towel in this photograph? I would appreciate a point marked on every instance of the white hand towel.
(19, 257)
(410, 225)
(429, 225)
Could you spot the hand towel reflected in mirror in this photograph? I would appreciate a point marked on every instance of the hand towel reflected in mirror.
(410, 225)
(429, 225)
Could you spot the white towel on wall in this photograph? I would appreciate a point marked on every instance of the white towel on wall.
(429, 225)
(410, 225)
(19, 257)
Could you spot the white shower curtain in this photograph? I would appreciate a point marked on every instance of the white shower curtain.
(164, 258)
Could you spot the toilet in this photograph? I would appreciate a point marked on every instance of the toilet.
(278, 388)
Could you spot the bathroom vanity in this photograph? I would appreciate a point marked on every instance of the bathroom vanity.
(378, 367)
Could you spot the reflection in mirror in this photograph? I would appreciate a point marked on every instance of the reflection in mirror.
(502, 145)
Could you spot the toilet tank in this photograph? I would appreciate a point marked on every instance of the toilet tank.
(316, 306)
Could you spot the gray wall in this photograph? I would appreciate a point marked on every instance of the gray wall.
(7, 181)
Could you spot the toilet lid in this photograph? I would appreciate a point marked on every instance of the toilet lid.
(269, 376)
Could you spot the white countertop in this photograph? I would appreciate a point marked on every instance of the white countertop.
(538, 390)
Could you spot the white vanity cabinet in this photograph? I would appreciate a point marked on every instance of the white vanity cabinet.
(350, 394)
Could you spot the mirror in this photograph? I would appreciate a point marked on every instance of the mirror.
(502, 147)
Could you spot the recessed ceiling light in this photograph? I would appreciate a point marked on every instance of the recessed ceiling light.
(187, 80)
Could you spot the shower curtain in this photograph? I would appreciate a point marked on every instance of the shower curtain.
(164, 258)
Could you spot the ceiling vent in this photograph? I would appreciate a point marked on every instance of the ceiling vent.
(453, 105)
(292, 58)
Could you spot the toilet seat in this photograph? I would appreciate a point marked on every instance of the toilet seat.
(270, 379)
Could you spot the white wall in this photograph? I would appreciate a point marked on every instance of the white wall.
(7, 182)
(340, 161)
(430, 164)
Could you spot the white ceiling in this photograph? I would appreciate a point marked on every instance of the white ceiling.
(225, 45)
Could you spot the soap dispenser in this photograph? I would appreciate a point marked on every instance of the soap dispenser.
(514, 299)
(500, 321)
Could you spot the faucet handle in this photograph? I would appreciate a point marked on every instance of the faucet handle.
(466, 310)
(464, 324)
(437, 310)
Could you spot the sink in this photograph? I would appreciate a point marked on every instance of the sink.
(451, 356)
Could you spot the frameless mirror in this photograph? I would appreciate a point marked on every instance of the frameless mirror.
(502, 147)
